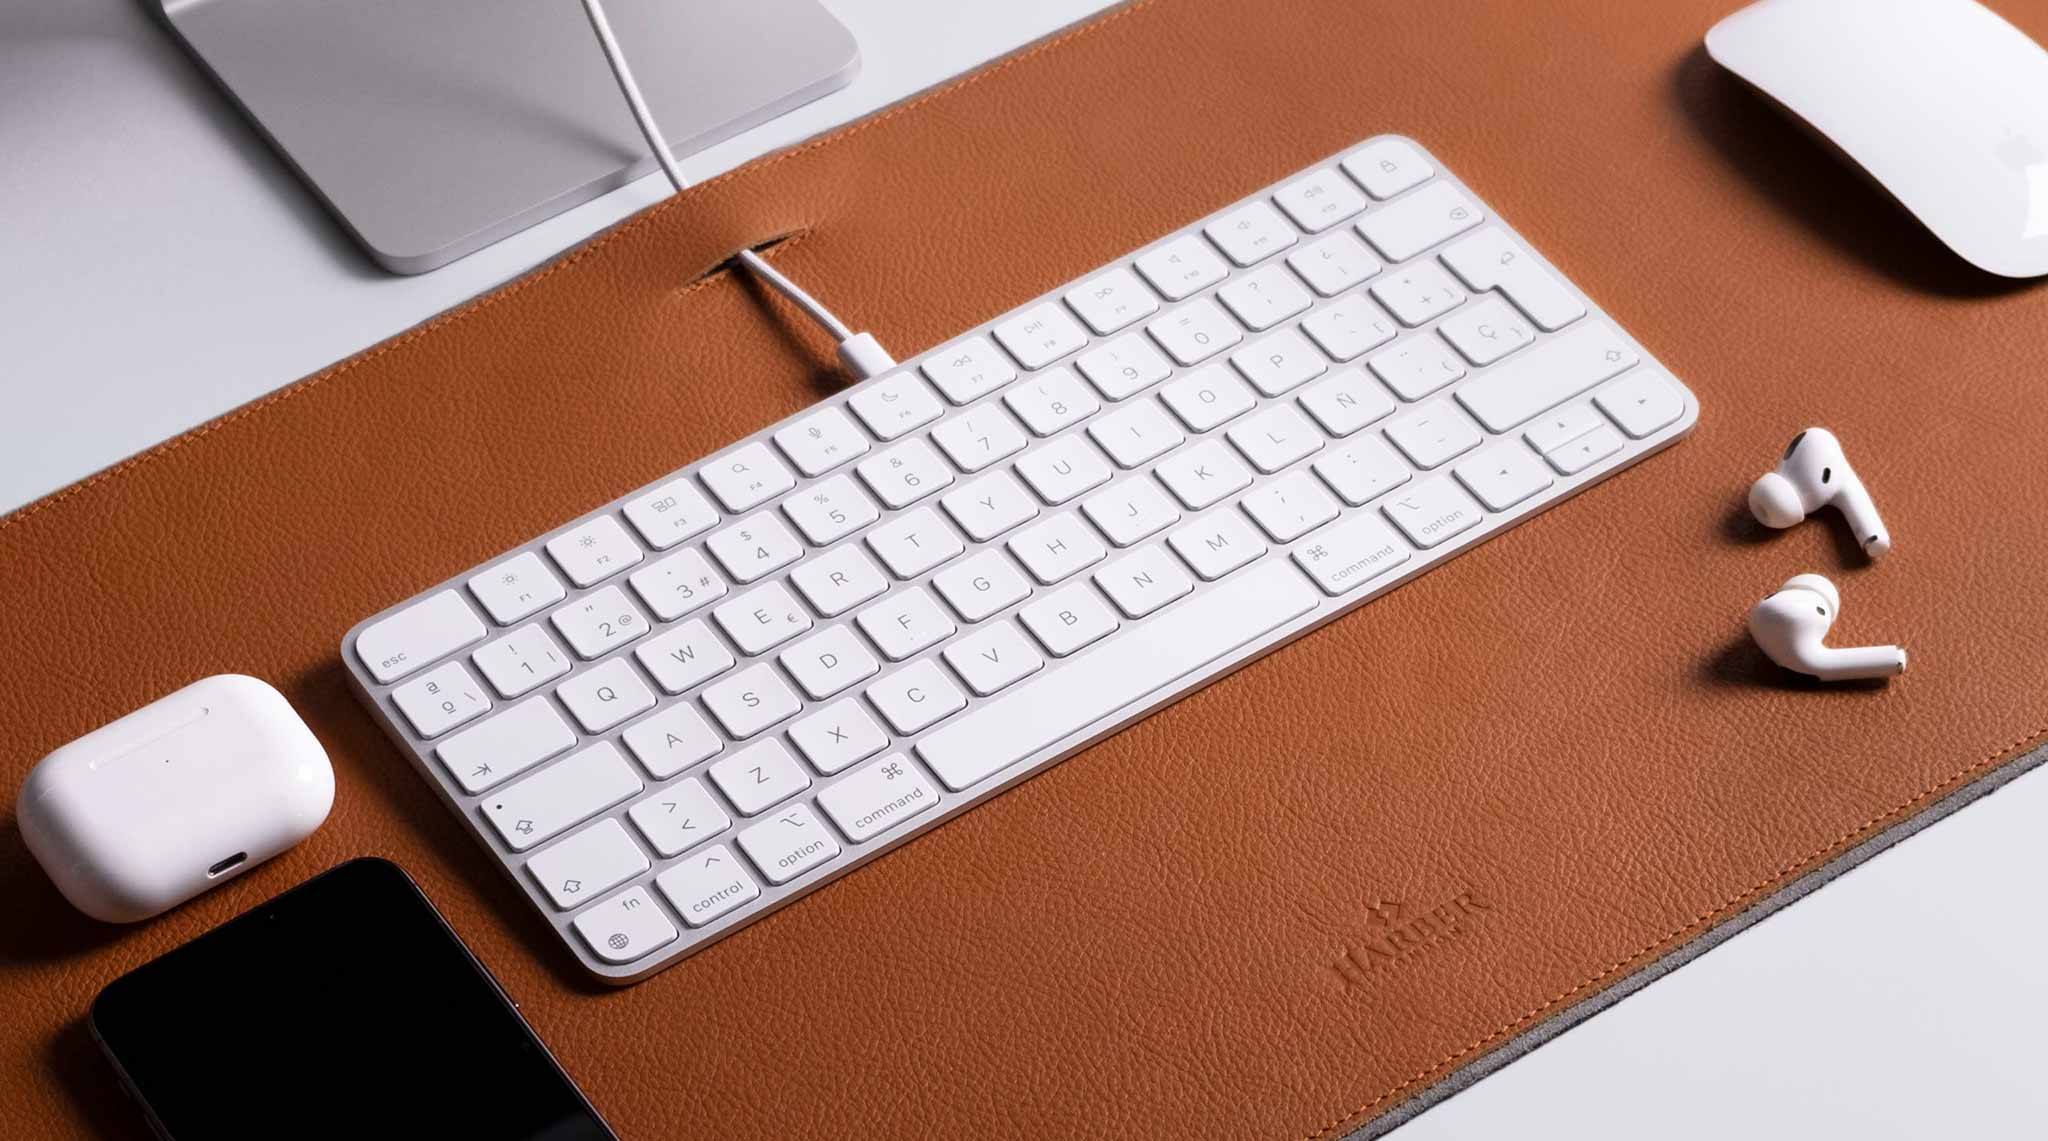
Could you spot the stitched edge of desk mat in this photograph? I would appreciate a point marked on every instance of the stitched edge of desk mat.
(1604, 977)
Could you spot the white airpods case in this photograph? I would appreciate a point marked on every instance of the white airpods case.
(141, 815)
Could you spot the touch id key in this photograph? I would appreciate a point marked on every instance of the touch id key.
(625, 927)
(707, 885)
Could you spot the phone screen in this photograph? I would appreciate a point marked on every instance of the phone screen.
(342, 1008)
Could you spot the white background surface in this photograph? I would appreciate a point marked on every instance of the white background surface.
(158, 267)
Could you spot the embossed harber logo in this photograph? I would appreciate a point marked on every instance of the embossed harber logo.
(1396, 934)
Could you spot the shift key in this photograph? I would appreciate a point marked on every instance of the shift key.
(1546, 376)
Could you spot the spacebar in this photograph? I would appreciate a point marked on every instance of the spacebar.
(1142, 659)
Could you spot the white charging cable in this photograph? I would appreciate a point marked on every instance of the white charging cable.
(859, 352)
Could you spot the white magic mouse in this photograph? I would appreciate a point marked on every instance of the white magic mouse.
(1941, 101)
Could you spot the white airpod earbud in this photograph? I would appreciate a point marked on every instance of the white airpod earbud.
(1791, 625)
(1814, 474)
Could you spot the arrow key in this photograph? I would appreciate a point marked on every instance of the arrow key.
(679, 817)
(1642, 402)
(592, 861)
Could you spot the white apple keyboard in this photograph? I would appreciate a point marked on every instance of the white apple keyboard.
(707, 698)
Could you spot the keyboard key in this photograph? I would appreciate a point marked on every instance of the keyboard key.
(1546, 375)
(1486, 332)
(1182, 267)
(1319, 201)
(1205, 474)
(762, 618)
(1334, 264)
(521, 661)
(598, 623)
(1279, 363)
(916, 696)
(1063, 469)
(1068, 619)
(837, 736)
(595, 860)
(441, 699)
(605, 695)
(1111, 300)
(831, 510)
(1215, 545)
(747, 477)
(1057, 547)
(1051, 402)
(679, 818)
(1432, 510)
(1417, 293)
(750, 701)
(561, 796)
(1130, 511)
(894, 404)
(838, 580)
(990, 506)
(1433, 434)
(821, 441)
(1348, 326)
(1362, 470)
(912, 544)
(1351, 554)
(1208, 397)
(1346, 401)
(1275, 437)
(879, 797)
(1250, 232)
(671, 741)
(1136, 434)
(1290, 507)
(1040, 335)
(759, 777)
(969, 370)
(686, 656)
(788, 844)
(671, 513)
(1195, 332)
(1124, 366)
(755, 546)
(829, 661)
(1503, 475)
(433, 627)
(905, 622)
(905, 473)
(1416, 366)
(1264, 297)
(516, 588)
(1585, 451)
(1400, 230)
(672, 587)
(505, 745)
(1387, 167)
(1560, 426)
(981, 586)
(707, 885)
(1143, 581)
(1490, 259)
(594, 551)
(1072, 695)
(1642, 402)
(988, 660)
(625, 927)
(975, 439)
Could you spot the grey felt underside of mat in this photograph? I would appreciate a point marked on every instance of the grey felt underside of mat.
(1462, 1078)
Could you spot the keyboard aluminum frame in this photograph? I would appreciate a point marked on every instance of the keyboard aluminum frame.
(377, 697)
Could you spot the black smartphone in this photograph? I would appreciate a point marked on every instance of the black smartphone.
(345, 1007)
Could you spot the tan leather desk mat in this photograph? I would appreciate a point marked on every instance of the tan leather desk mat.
(1501, 789)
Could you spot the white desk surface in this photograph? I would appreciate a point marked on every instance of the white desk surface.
(158, 267)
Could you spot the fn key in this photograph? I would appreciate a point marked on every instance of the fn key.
(625, 927)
